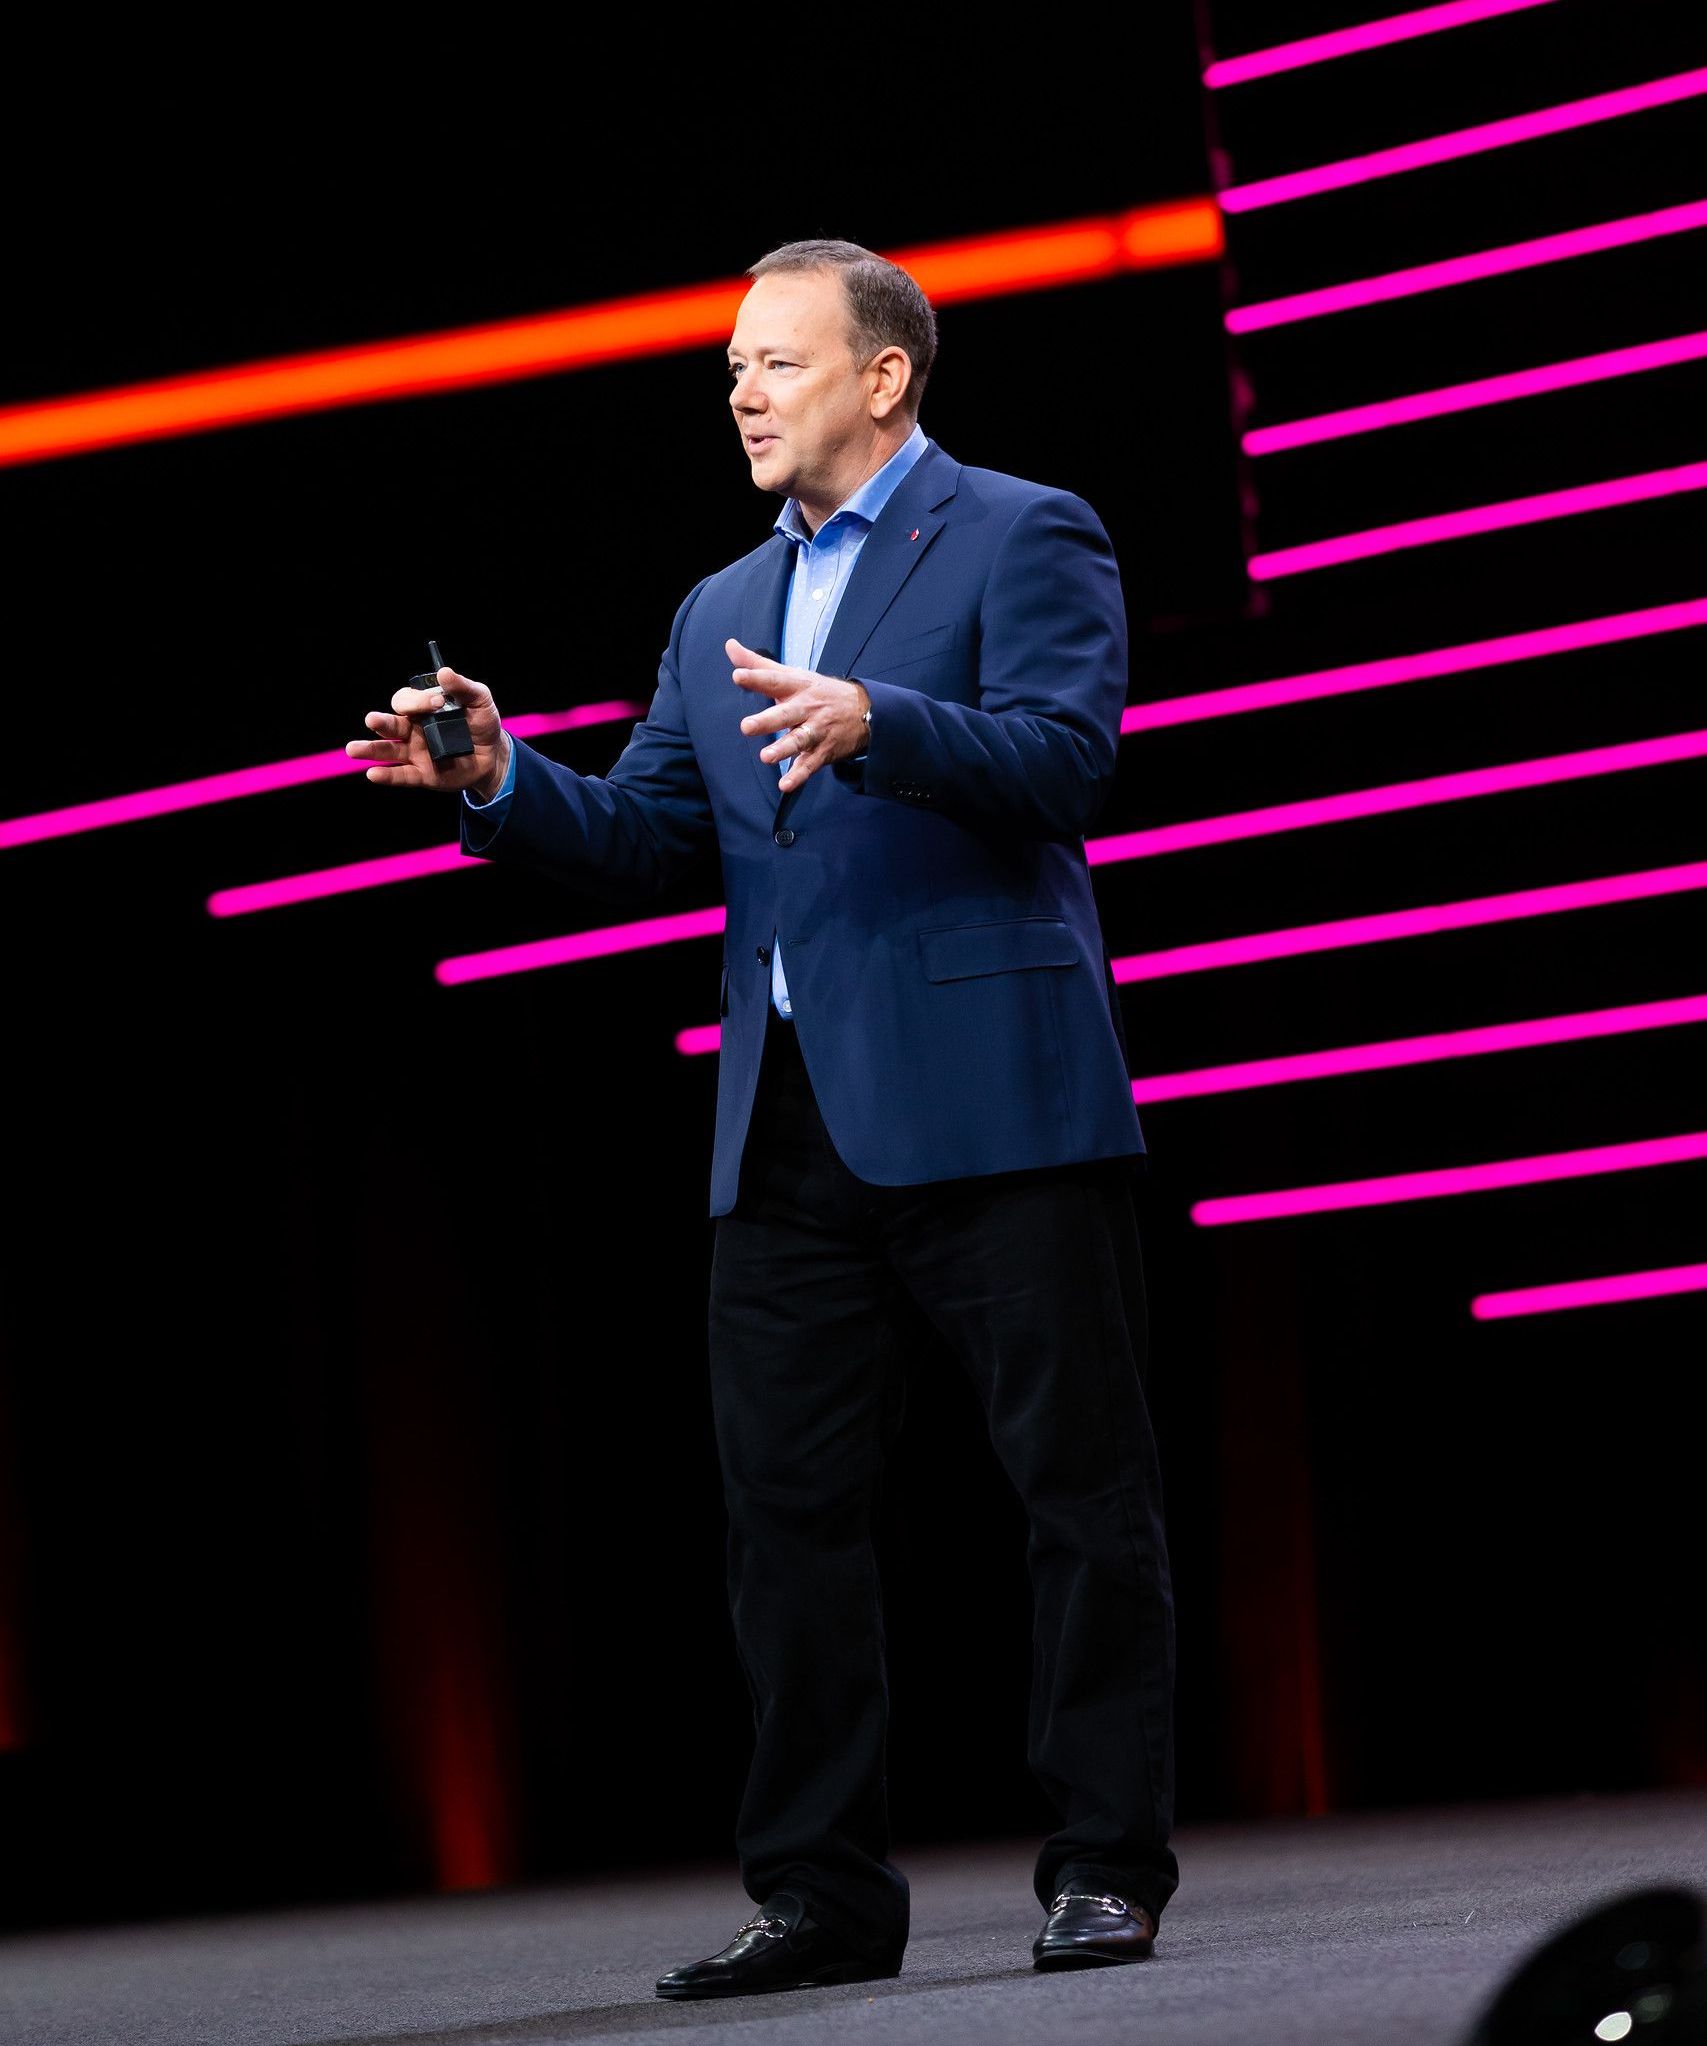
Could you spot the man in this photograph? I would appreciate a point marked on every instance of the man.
(923, 1103)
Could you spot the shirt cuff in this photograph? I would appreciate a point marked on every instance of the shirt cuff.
(506, 790)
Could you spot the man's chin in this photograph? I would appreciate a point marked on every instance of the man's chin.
(772, 476)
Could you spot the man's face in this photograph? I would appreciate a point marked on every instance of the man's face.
(801, 401)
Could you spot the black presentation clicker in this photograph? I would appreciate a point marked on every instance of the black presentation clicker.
(446, 730)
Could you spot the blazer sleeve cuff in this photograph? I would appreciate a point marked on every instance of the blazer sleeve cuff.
(896, 764)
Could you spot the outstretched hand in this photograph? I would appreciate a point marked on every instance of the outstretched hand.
(398, 749)
(831, 711)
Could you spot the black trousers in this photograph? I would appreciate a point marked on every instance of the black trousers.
(1036, 1282)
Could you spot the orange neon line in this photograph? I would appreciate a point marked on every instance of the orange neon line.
(1033, 259)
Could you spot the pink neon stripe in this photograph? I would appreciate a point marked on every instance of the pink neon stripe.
(1450, 1179)
(182, 795)
(1591, 1292)
(1451, 660)
(1417, 1051)
(1500, 390)
(1409, 156)
(1347, 42)
(1403, 795)
(1199, 958)
(1441, 276)
(1366, 1058)
(1300, 940)
(259, 781)
(409, 866)
(659, 930)
(1385, 926)
(1131, 845)
(535, 724)
(1479, 518)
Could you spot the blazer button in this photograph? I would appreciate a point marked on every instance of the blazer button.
(764, 955)
(785, 836)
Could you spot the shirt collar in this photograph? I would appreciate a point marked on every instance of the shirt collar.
(867, 501)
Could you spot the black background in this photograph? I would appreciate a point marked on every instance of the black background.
(361, 1523)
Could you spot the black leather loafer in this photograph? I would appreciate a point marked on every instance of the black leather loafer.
(779, 1947)
(1086, 1928)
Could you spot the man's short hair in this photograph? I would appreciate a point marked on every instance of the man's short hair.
(886, 309)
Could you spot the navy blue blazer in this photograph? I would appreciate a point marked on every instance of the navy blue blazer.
(950, 986)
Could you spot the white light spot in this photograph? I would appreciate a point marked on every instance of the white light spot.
(818, 596)
(1615, 2025)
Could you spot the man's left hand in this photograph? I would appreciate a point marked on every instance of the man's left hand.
(832, 712)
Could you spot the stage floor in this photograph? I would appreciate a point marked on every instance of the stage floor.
(1389, 1928)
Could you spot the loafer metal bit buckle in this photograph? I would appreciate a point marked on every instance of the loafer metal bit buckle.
(1116, 1907)
(772, 1928)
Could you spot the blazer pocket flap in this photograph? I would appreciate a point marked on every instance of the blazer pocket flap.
(885, 651)
(962, 950)
(925, 642)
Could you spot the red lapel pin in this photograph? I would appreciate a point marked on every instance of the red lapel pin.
(914, 534)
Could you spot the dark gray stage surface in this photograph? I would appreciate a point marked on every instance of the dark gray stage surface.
(1381, 1928)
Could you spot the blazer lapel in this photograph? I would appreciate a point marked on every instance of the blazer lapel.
(763, 608)
(894, 547)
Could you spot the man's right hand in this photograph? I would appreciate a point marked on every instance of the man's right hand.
(398, 749)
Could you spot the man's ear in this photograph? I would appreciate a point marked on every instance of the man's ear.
(894, 371)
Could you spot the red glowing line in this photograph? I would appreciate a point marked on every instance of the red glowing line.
(580, 337)
(1480, 518)
(1444, 1181)
(1496, 390)
(1452, 660)
(1415, 1051)
(1455, 270)
(1654, 1285)
(258, 781)
(1368, 35)
(1300, 940)
(1395, 796)
(1433, 149)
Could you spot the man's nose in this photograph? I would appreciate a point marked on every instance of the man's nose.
(745, 395)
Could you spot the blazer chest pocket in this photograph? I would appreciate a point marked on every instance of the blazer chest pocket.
(961, 951)
(890, 654)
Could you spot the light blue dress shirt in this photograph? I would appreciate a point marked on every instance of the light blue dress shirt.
(823, 562)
